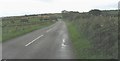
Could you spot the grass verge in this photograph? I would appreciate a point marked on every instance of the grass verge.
(83, 47)
(80, 43)
(21, 30)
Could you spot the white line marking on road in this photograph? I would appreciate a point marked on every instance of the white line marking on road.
(63, 43)
(63, 40)
(33, 40)
(48, 30)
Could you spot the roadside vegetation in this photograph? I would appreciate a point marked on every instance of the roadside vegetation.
(94, 34)
(81, 44)
(0, 29)
(16, 26)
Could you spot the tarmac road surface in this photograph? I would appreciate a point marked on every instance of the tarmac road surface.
(48, 43)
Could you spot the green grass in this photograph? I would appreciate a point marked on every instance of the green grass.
(80, 43)
(0, 34)
(12, 30)
(0, 30)
(94, 37)
(21, 30)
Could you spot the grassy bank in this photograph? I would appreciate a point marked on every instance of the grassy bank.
(94, 35)
(0, 30)
(13, 27)
(81, 44)
(12, 32)
(0, 34)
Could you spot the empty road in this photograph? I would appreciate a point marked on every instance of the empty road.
(48, 43)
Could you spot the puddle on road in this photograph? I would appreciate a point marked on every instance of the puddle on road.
(63, 43)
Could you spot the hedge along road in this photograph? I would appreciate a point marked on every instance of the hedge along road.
(48, 43)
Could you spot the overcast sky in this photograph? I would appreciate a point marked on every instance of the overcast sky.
(22, 7)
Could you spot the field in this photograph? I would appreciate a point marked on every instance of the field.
(16, 26)
(94, 36)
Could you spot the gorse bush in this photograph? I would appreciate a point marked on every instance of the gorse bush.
(100, 30)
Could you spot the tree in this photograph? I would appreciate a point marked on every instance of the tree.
(95, 12)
